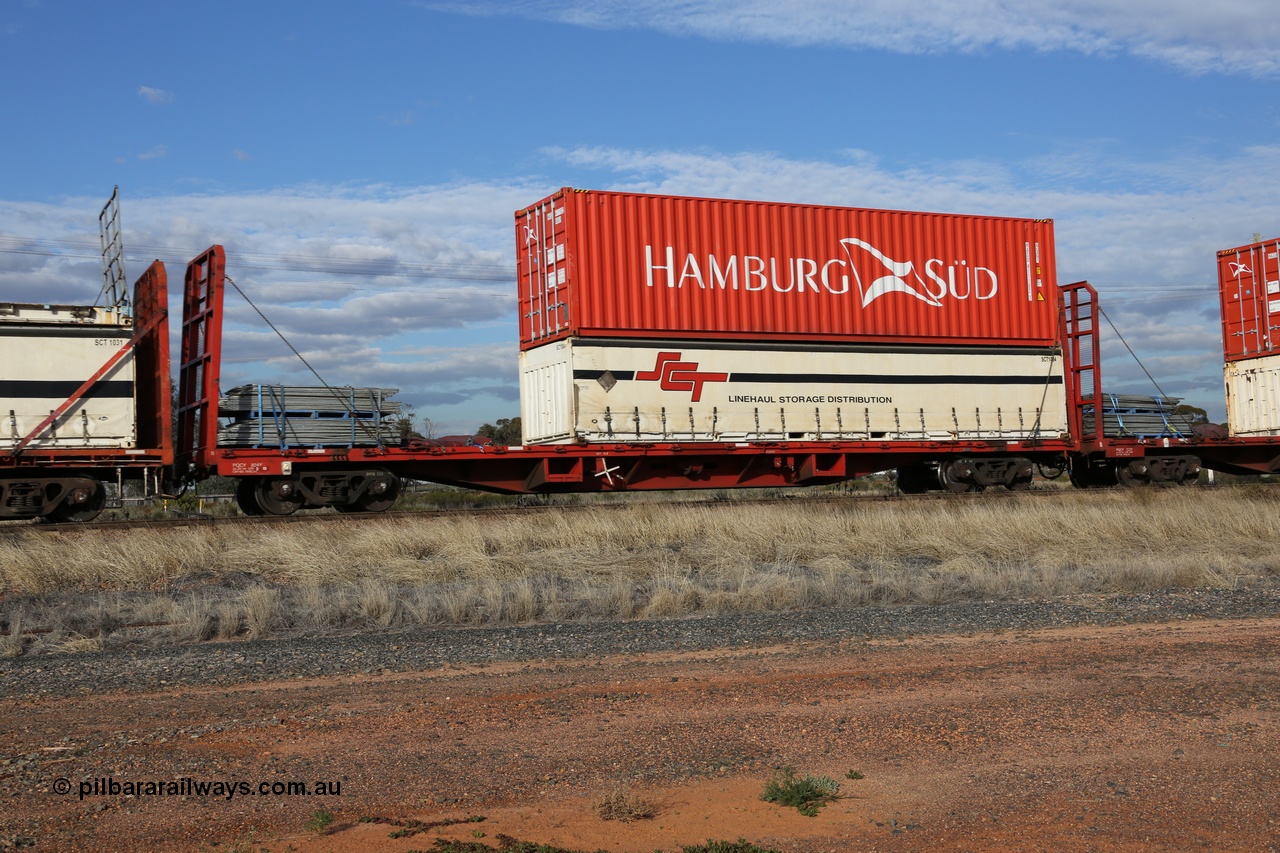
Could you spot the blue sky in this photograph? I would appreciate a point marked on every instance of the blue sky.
(361, 161)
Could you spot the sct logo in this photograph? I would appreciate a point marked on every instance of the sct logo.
(672, 374)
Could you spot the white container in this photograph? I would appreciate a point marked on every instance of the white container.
(46, 353)
(600, 390)
(1253, 396)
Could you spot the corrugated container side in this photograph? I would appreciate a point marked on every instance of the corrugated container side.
(1253, 396)
(46, 354)
(1249, 287)
(607, 264)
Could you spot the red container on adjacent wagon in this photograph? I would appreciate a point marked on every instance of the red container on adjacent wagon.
(1249, 287)
(610, 264)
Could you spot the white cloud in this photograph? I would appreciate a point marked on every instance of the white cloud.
(1231, 36)
(242, 156)
(155, 153)
(1157, 225)
(413, 287)
(361, 280)
(360, 317)
(1148, 243)
(155, 96)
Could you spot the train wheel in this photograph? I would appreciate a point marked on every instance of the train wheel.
(1021, 476)
(379, 496)
(382, 494)
(1133, 475)
(277, 497)
(1191, 477)
(82, 503)
(246, 498)
(956, 476)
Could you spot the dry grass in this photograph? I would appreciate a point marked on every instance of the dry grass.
(641, 561)
(12, 641)
(623, 804)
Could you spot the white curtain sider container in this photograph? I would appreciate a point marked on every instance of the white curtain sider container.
(600, 390)
(46, 353)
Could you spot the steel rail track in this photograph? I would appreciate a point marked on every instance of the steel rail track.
(9, 528)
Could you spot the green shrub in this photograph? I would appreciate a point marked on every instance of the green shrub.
(806, 793)
(320, 821)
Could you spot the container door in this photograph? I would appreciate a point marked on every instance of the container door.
(547, 395)
(542, 268)
(1250, 283)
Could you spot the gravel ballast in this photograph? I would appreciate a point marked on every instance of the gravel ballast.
(229, 663)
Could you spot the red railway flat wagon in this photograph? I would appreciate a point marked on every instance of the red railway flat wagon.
(596, 264)
(278, 480)
(86, 402)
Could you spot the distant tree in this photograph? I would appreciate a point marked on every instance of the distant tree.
(1192, 414)
(507, 431)
(428, 427)
(404, 424)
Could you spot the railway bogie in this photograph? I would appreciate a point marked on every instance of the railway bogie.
(975, 474)
(346, 491)
(1158, 470)
(66, 497)
(1135, 472)
(966, 474)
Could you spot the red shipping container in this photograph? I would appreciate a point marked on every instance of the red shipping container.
(611, 264)
(1249, 287)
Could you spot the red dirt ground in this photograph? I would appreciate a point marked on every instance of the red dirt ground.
(1138, 738)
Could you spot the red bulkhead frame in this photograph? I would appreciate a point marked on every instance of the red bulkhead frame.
(154, 387)
(199, 369)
